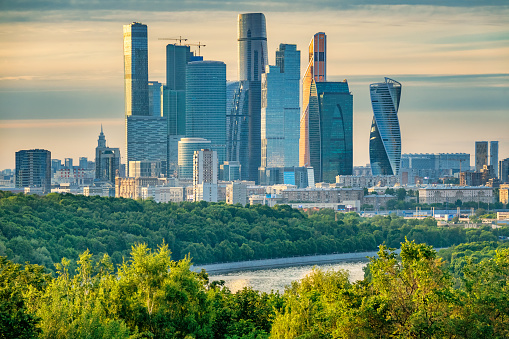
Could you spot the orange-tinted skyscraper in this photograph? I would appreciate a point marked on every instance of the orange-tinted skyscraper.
(326, 125)
(315, 72)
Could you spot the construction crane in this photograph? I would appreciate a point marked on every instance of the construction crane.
(199, 44)
(179, 39)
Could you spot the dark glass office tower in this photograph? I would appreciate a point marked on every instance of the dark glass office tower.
(174, 99)
(326, 125)
(252, 42)
(136, 69)
(33, 169)
(385, 136)
(335, 104)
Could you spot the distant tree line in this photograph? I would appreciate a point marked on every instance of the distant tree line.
(42, 230)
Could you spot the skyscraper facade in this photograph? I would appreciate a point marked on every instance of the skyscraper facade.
(107, 160)
(385, 135)
(494, 156)
(481, 155)
(147, 139)
(174, 99)
(326, 122)
(315, 72)
(280, 113)
(503, 170)
(206, 104)
(252, 43)
(33, 169)
(155, 91)
(237, 119)
(136, 69)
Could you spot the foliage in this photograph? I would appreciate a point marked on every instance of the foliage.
(149, 295)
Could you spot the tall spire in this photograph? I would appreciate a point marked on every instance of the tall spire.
(101, 142)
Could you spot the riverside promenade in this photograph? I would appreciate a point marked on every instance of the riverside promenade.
(265, 264)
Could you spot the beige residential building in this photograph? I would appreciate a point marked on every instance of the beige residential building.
(504, 194)
(450, 194)
(131, 187)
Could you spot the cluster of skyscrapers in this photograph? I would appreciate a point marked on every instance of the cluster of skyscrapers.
(254, 124)
(200, 128)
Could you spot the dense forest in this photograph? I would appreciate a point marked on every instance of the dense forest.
(42, 230)
(152, 296)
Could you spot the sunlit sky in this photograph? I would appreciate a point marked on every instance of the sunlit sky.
(61, 65)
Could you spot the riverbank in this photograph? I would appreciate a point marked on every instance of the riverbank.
(265, 264)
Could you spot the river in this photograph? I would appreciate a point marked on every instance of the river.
(278, 278)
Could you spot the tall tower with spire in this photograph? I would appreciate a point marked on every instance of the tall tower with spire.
(101, 142)
(107, 160)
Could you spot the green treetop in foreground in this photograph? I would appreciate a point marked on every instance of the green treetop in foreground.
(152, 296)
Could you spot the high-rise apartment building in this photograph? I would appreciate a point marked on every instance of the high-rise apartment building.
(385, 136)
(252, 43)
(33, 169)
(206, 104)
(205, 167)
(107, 160)
(280, 113)
(326, 122)
(136, 69)
(481, 155)
(494, 156)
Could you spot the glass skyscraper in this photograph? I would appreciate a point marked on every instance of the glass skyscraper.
(237, 119)
(136, 69)
(385, 135)
(326, 123)
(315, 72)
(481, 155)
(174, 99)
(155, 97)
(206, 104)
(280, 113)
(252, 43)
(494, 156)
(33, 169)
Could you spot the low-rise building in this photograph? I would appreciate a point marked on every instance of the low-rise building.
(450, 194)
(378, 201)
(131, 187)
(163, 194)
(366, 180)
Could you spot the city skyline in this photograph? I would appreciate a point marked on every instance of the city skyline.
(463, 72)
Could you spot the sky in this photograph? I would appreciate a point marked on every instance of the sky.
(61, 65)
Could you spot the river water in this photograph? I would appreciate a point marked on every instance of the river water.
(278, 278)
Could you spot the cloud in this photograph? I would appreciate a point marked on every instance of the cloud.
(239, 5)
